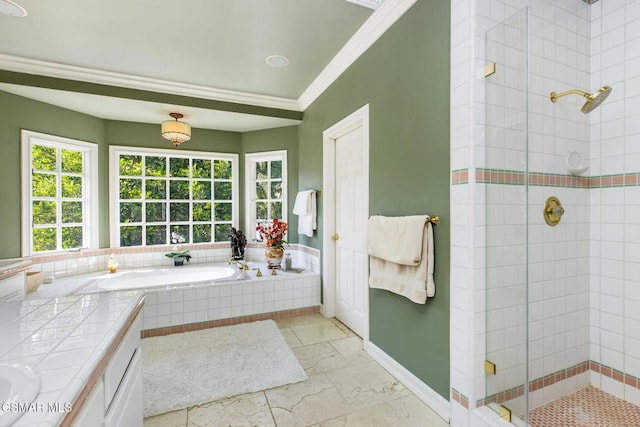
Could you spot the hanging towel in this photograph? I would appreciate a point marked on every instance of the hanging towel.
(407, 278)
(305, 208)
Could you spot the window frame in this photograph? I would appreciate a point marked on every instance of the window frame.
(90, 229)
(250, 161)
(114, 196)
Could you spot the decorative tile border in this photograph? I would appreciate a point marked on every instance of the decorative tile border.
(513, 177)
(558, 376)
(460, 398)
(230, 321)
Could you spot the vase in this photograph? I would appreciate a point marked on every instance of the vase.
(178, 262)
(274, 257)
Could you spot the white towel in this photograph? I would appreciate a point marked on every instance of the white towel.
(414, 282)
(305, 208)
(396, 239)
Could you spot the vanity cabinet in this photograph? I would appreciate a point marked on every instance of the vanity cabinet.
(116, 399)
(12, 288)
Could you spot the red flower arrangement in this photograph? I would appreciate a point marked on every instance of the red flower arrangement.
(273, 233)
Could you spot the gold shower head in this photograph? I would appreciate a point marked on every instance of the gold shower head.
(593, 100)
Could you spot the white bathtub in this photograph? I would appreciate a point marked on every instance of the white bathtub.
(168, 276)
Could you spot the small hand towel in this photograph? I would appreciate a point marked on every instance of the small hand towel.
(305, 208)
(396, 239)
(414, 282)
(302, 206)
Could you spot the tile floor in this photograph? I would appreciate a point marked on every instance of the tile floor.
(345, 388)
(588, 407)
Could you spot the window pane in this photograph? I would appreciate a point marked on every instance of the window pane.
(262, 212)
(155, 188)
(130, 236)
(179, 190)
(201, 212)
(155, 166)
(71, 186)
(222, 212)
(156, 235)
(201, 168)
(222, 190)
(276, 169)
(130, 212)
(156, 212)
(222, 169)
(201, 190)
(44, 239)
(71, 212)
(201, 233)
(71, 161)
(182, 232)
(130, 189)
(261, 170)
(276, 210)
(261, 189)
(179, 167)
(130, 165)
(43, 185)
(71, 237)
(43, 158)
(44, 212)
(179, 211)
(276, 190)
(222, 232)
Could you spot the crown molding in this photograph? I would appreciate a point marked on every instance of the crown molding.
(380, 21)
(72, 72)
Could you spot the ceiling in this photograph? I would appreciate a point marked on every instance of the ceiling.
(211, 45)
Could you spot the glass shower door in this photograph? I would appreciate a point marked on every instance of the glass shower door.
(505, 180)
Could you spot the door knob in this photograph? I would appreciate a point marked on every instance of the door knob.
(335, 236)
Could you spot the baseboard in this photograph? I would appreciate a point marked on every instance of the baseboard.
(425, 393)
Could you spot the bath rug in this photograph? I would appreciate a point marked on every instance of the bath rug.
(191, 368)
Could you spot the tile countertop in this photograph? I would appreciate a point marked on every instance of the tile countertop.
(9, 267)
(64, 340)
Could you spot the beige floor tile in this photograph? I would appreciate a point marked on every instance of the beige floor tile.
(306, 319)
(348, 332)
(351, 349)
(170, 419)
(306, 403)
(404, 412)
(290, 338)
(244, 410)
(318, 332)
(366, 384)
(319, 358)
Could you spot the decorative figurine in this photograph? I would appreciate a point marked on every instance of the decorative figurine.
(238, 243)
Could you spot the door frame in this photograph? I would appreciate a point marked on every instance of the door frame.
(359, 118)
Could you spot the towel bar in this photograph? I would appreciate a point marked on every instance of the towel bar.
(434, 220)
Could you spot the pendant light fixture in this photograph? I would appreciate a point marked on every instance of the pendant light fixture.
(176, 131)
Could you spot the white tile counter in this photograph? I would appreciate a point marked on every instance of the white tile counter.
(66, 341)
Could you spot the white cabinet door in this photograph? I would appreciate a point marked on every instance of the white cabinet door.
(126, 408)
(92, 411)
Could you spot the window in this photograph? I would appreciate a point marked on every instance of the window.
(266, 180)
(59, 193)
(161, 197)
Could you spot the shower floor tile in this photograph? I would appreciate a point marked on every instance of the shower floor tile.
(589, 407)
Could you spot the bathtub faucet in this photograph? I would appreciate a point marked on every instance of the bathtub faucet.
(241, 265)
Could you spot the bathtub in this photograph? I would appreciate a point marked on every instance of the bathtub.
(162, 277)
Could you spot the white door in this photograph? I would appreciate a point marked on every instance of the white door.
(350, 219)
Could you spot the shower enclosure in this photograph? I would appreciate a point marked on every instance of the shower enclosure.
(562, 296)
(506, 180)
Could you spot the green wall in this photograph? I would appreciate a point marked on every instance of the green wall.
(21, 113)
(284, 138)
(404, 77)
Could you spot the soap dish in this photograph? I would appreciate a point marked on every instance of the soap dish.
(575, 165)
